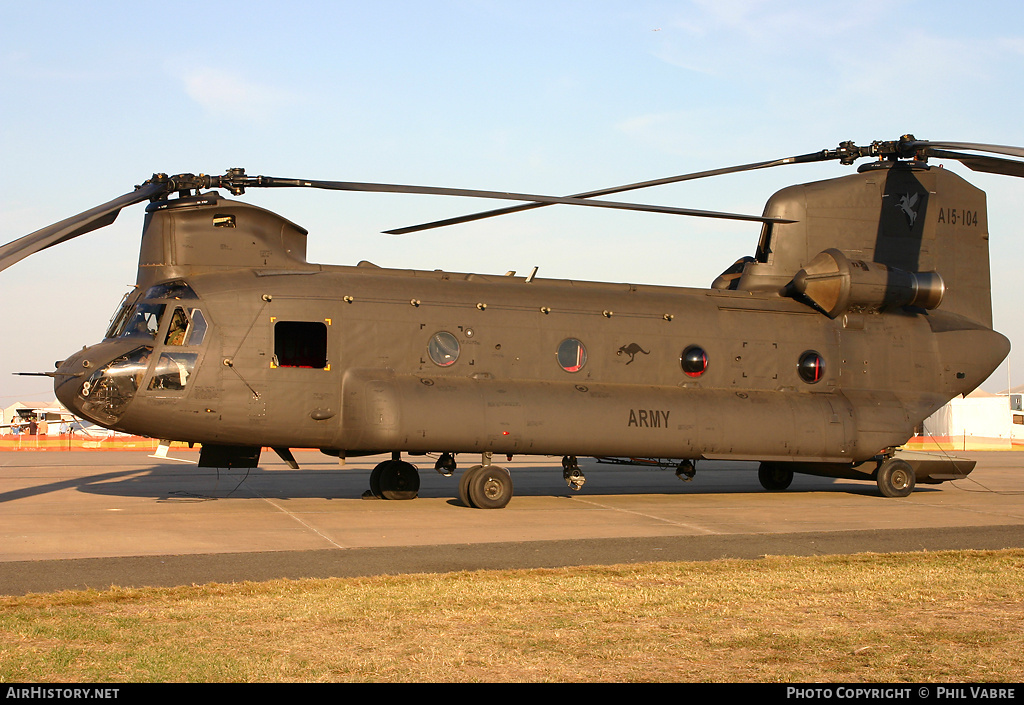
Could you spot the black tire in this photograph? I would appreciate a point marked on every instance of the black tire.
(395, 479)
(398, 480)
(464, 481)
(490, 487)
(774, 477)
(895, 478)
(375, 480)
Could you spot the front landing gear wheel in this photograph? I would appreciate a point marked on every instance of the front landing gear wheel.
(395, 479)
(895, 478)
(485, 487)
(490, 487)
(774, 477)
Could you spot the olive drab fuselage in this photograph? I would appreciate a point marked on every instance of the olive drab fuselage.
(231, 338)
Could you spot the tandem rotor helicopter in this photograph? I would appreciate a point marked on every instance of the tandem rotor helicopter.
(865, 307)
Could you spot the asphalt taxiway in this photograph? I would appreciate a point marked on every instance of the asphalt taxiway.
(78, 519)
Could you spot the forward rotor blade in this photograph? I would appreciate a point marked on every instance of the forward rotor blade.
(817, 156)
(72, 227)
(474, 193)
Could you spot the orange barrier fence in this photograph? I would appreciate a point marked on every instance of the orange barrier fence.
(77, 441)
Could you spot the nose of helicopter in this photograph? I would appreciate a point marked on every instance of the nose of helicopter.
(67, 379)
(100, 381)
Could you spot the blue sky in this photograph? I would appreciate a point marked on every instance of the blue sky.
(544, 97)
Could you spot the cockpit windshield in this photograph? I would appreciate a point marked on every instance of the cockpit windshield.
(165, 330)
(142, 320)
(120, 317)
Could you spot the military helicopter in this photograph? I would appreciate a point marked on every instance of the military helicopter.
(865, 307)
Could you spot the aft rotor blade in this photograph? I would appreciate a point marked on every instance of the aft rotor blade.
(74, 226)
(974, 147)
(817, 156)
(474, 193)
(991, 165)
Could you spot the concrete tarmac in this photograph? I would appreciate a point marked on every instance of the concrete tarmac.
(96, 519)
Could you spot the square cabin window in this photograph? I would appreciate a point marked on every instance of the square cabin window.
(300, 344)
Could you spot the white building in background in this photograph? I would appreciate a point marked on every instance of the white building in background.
(979, 421)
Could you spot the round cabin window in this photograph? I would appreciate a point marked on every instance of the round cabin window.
(443, 349)
(811, 367)
(694, 361)
(571, 355)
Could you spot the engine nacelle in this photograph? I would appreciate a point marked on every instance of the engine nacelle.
(838, 284)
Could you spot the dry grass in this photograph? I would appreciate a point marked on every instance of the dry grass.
(922, 617)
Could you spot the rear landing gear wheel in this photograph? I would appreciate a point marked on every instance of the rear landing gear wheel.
(774, 477)
(395, 479)
(895, 478)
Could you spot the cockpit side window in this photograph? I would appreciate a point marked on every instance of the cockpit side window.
(178, 328)
(198, 332)
(172, 371)
(186, 328)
